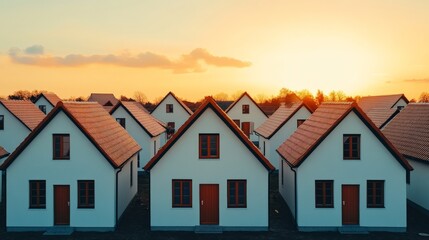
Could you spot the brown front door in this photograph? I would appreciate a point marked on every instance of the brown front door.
(61, 205)
(209, 204)
(350, 198)
(245, 126)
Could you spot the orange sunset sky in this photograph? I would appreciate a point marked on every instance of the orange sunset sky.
(197, 48)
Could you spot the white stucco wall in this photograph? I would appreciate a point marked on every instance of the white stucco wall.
(178, 116)
(126, 191)
(44, 101)
(140, 135)
(287, 187)
(376, 163)
(235, 162)
(417, 190)
(255, 115)
(36, 163)
(14, 131)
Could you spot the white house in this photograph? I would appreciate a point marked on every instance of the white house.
(144, 128)
(247, 114)
(3, 155)
(77, 169)
(107, 100)
(209, 174)
(339, 172)
(279, 126)
(409, 132)
(17, 119)
(46, 102)
(171, 111)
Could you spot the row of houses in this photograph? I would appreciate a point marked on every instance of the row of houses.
(344, 165)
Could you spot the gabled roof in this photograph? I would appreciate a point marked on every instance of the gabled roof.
(107, 100)
(110, 138)
(187, 109)
(409, 131)
(242, 95)
(382, 101)
(25, 111)
(52, 98)
(224, 104)
(381, 116)
(3, 152)
(210, 103)
(149, 124)
(319, 125)
(279, 119)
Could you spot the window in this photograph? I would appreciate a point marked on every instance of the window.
(86, 194)
(299, 122)
(375, 194)
(351, 146)
(283, 173)
(170, 129)
(400, 108)
(182, 193)
(237, 121)
(42, 108)
(209, 146)
(37, 194)
(237, 194)
(245, 108)
(169, 108)
(247, 128)
(263, 146)
(61, 146)
(131, 173)
(154, 147)
(1, 122)
(324, 194)
(121, 121)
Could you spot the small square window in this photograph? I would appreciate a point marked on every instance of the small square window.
(171, 129)
(37, 194)
(237, 193)
(351, 146)
(245, 108)
(375, 193)
(209, 146)
(86, 194)
(121, 121)
(61, 146)
(42, 108)
(169, 108)
(182, 193)
(1, 122)
(299, 122)
(324, 193)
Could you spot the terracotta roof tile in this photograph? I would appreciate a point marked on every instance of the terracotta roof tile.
(25, 111)
(242, 95)
(278, 119)
(107, 100)
(409, 131)
(52, 98)
(210, 103)
(382, 101)
(150, 124)
(187, 109)
(312, 132)
(381, 116)
(3, 152)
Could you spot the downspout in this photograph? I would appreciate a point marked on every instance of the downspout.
(296, 197)
(116, 197)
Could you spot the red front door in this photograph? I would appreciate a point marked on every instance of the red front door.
(350, 198)
(209, 204)
(61, 205)
(245, 126)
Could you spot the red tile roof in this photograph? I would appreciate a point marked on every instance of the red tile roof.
(209, 102)
(25, 111)
(242, 95)
(187, 109)
(279, 118)
(107, 100)
(52, 98)
(381, 116)
(382, 101)
(409, 131)
(3, 152)
(149, 124)
(319, 125)
(110, 138)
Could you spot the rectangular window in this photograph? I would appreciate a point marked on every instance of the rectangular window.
(237, 121)
(86, 194)
(237, 193)
(246, 127)
(299, 122)
(1, 122)
(351, 146)
(245, 108)
(131, 173)
(324, 194)
(169, 108)
(209, 146)
(263, 146)
(283, 176)
(154, 147)
(375, 194)
(182, 193)
(121, 121)
(61, 146)
(37, 194)
(171, 129)
(42, 108)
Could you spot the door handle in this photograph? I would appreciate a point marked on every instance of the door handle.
(202, 203)
(344, 203)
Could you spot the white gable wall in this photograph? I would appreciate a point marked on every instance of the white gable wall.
(178, 116)
(255, 115)
(182, 162)
(417, 190)
(126, 190)
(43, 101)
(36, 163)
(14, 131)
(287, 185)
(376, 163)
(401, 103)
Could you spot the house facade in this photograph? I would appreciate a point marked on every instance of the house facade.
(77, 169)
(339, 172)
(46, 102)
(145, 129)
(278, 127)
(247, 115)
(17, 119)
(209, 174)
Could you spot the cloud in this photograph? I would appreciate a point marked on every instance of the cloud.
(415, 80)
(187, 63)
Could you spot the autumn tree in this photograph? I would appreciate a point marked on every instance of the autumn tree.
(221, 96)
(424, 97)
(26, 95)
(140, 97)
(320, 98)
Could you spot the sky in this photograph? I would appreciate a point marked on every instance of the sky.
(197, 48)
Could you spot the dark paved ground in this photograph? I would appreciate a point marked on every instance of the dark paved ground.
(135, 225)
